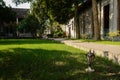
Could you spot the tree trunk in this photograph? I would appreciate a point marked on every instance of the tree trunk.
(95, 20)
(77, 21)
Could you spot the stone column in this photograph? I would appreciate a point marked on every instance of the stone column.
(115, 11)
(113, 15)
(17, 20)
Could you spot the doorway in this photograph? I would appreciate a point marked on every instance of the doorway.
(106, 19)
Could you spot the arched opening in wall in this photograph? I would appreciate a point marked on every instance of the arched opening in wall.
(106, 19)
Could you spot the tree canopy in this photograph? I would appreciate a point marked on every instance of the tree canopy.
(6, 13)
(29, 23)
(59, 10)
(55, 10)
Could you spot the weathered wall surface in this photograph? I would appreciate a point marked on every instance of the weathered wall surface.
(70, 29)
(108, 15)
(86, 22)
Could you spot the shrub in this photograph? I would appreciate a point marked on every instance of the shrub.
(84, 36)
(58, 32)
(114, 34)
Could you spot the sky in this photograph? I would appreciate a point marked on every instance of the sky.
(9, 3)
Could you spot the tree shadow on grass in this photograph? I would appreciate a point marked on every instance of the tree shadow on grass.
(40, 64)
(26, 41)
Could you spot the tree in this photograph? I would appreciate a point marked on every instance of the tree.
(29, 24)
(39, 10)
(7, 19)
(58, 10)
(58, 32)
(6, 13)
(76, 18)
(95, 20)
(64, 10)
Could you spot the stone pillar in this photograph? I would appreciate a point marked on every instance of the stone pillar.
(102, 21)
(115, 12)
(113, 15)
(17, 21)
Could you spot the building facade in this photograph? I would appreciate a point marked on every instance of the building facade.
(9, 29)
(108, 16)
(20, 14)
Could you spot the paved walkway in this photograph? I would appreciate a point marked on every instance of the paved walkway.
(108, 51)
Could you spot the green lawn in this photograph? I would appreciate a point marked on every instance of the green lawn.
(30, 59)
(102, 42)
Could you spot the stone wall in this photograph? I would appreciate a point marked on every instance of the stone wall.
(113, 14)
(108, 15)
(86, 22)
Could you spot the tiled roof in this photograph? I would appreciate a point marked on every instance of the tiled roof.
(21, 13)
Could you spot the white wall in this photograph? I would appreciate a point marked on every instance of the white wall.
(71, 26)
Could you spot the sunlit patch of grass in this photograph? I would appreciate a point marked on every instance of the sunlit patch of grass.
(101, 41)
(30, 59)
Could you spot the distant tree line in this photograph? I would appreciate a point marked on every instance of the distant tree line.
(7, 17)
(6, 13)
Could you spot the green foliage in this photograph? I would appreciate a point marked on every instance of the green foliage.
(29, 24)
(84, 36)
(39, 10)
(118, 33)
(6, 13)
(7, 20)
(2, 3)
(62, 10)
(59, 10)
(58, 32)
(56, 10)
(113, 34)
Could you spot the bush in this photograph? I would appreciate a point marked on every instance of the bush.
(84, 36)
(58, 32)
(114, 34)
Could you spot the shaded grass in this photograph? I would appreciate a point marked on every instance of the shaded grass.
(102, 42)
(49, 60)
(23, 41)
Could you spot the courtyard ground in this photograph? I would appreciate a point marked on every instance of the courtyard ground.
(31, 59)
(107, 49)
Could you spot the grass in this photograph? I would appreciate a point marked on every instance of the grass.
(30, 59)
(102, 42)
